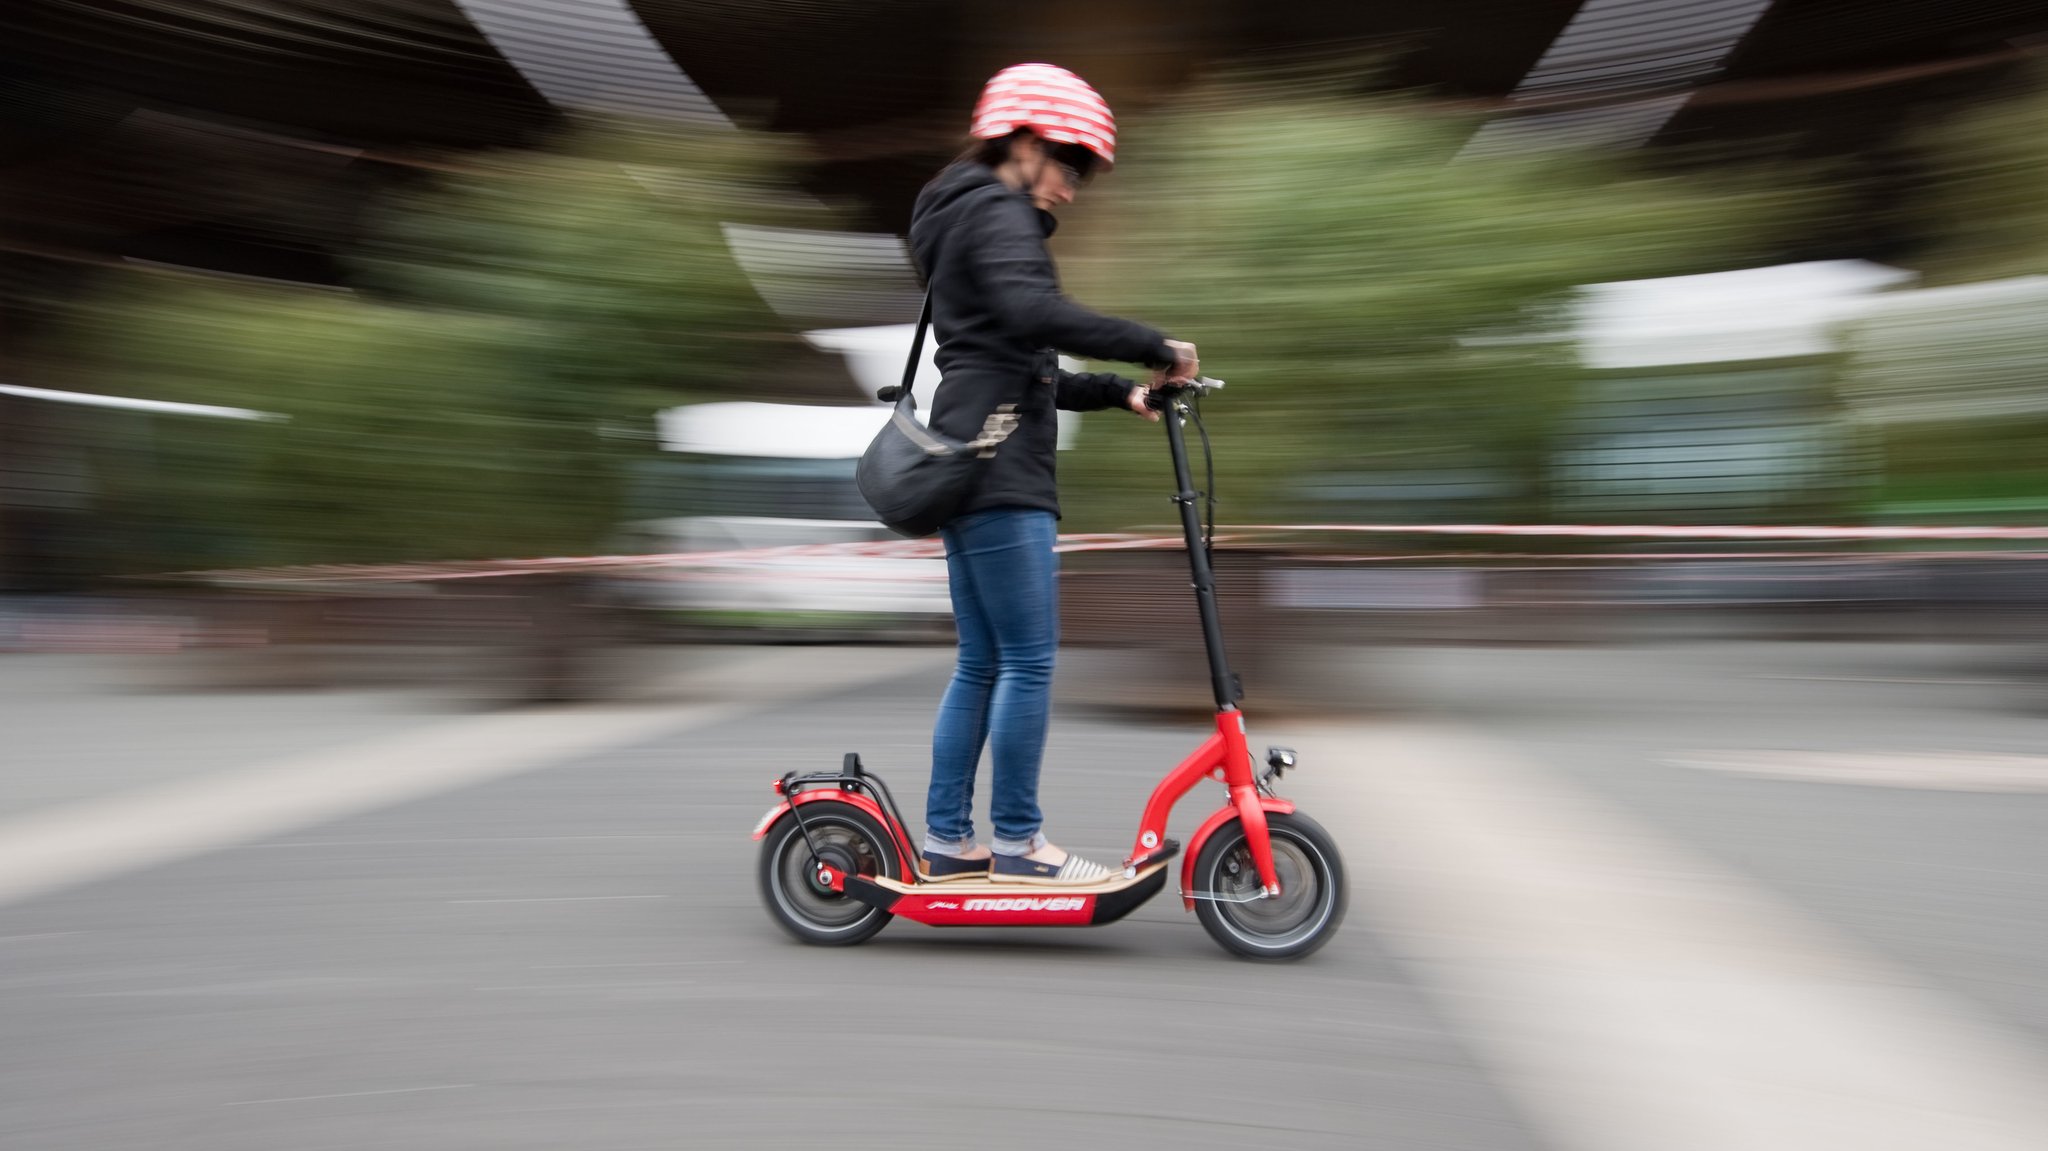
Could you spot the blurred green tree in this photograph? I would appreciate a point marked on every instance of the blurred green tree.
(1392, 316)
(1986, 217)
(1954, 384)
(515, 326)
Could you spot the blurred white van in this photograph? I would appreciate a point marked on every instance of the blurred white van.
(744, 477)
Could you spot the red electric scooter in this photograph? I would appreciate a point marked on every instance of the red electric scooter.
(837, 861)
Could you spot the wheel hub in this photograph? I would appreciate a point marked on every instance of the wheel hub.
(839, 859)
(1275, 915)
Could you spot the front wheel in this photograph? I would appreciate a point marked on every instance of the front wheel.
(850, 840)
(1300, 919)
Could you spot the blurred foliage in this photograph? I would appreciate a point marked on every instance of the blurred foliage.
(1975, 471)
(613, 244)
(514, 327)
(1956, 385)
(1393, 317)
(1383, 307)
(1988, 218)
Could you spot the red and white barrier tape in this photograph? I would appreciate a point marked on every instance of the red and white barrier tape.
(492, 569)
(927, 549)
(1672, 532)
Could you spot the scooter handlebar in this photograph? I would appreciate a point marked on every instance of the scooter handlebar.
(1160, 394)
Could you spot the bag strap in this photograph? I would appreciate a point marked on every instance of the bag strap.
(924, 319)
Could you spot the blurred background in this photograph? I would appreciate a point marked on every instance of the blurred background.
(1630, 497)
(424, 282)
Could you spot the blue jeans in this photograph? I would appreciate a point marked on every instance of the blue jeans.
(1003, 574)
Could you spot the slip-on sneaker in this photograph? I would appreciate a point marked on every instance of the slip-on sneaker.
(939, 868)
(1017, 868)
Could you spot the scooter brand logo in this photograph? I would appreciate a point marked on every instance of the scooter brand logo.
(1027, 903)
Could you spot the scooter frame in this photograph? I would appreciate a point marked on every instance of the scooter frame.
(1224, 756)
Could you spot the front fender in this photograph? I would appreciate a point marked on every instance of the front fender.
(1271, 804)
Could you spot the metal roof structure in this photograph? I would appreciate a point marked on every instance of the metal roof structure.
(246, 136)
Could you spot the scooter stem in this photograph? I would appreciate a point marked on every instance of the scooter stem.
(1220, 679)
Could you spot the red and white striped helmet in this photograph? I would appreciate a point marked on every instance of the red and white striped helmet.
(1051, 101)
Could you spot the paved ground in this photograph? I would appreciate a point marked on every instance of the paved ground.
(358, 920)
(1933, 871)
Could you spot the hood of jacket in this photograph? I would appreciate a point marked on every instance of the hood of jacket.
(940, 204)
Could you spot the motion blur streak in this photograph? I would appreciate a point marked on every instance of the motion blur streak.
(428, 525)
(593, 55)
(1619, 48)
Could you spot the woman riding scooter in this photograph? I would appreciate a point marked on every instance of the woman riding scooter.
(978, 233)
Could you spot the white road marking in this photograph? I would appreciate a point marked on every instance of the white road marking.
(350, 1094)
(62, 847)
(57, 848)
(1925, 770)
(1632, 995)
(1916, 681)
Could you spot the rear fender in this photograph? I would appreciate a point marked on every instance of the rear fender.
(905, 857)
(1223, 815)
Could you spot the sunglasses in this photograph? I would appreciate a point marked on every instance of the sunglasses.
(1076, 163)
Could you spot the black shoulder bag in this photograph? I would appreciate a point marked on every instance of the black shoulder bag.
(914, 477)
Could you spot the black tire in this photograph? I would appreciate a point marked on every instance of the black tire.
(1312, 892)
(856, 843)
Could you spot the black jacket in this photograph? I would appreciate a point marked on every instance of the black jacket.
(999, 318)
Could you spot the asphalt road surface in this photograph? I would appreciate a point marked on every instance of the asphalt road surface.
(1598, 903)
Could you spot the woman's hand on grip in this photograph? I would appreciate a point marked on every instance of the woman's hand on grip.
(1186, 365)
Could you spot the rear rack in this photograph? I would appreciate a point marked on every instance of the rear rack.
(850, 776)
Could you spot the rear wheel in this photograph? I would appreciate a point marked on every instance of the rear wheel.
(1301, 918)
(849, 839)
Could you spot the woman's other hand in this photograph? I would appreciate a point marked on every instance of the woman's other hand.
(1138, 398)
(1186, 365)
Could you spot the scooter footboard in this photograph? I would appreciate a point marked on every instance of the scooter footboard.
(984, 904)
